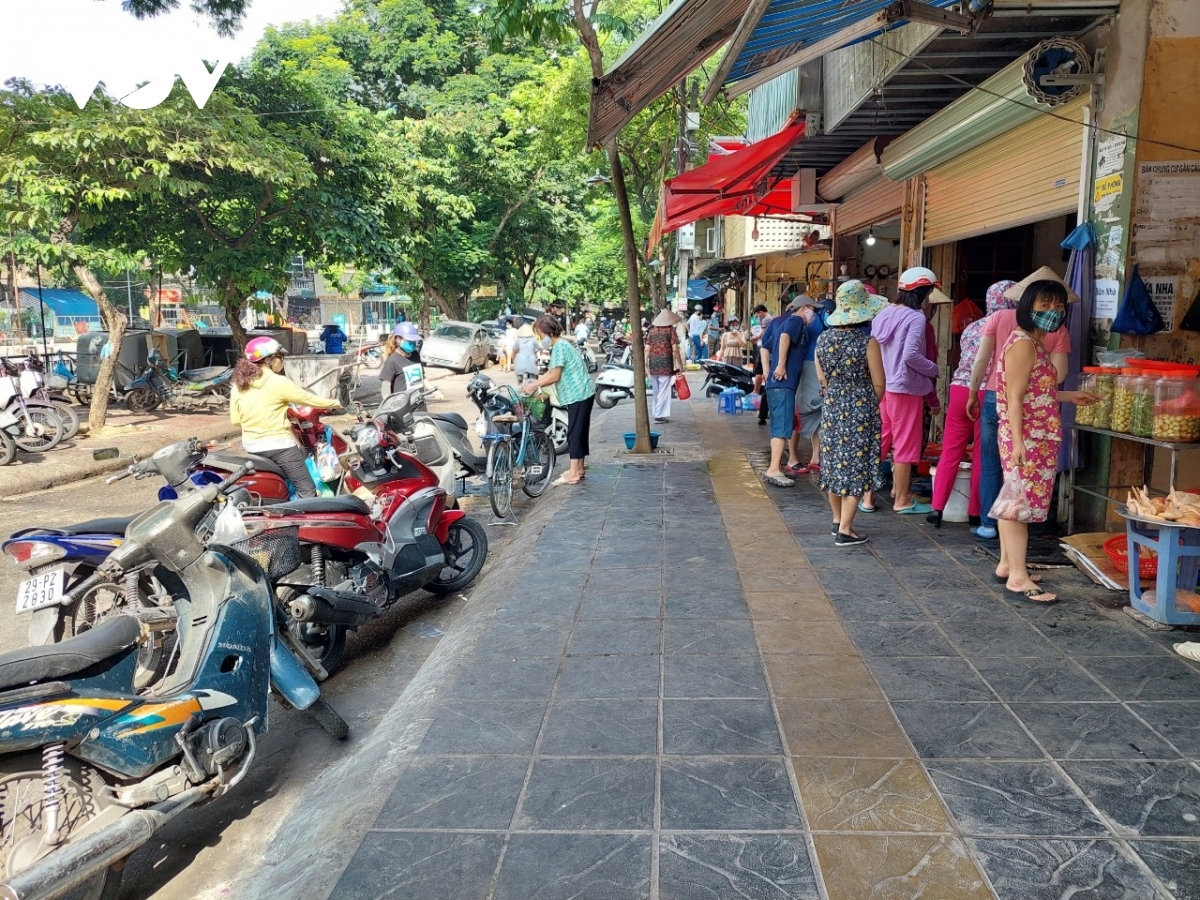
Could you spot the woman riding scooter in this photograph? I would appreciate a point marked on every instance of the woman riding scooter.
(259, 403)
(400, 356)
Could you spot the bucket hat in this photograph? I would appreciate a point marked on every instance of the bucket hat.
(854, 305)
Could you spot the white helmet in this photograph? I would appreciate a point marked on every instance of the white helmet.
(917, 277)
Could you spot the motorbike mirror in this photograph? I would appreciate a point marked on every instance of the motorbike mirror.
(105, 453)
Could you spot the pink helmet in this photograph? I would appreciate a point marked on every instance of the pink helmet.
(261, 348)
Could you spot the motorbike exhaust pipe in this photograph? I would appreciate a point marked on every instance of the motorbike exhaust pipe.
(76, 863)
(332, 608)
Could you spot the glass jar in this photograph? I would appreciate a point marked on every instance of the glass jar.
(1086, 415)
(1176, 409)
(1122, 404)
(1105, 386)
(1144, 398)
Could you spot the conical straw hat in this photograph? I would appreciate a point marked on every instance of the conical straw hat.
(1045, 273)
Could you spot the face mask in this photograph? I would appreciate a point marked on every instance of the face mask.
(408, 346)
(545, 343)
(1048, 320)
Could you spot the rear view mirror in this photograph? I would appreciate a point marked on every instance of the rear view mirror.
(105, 453)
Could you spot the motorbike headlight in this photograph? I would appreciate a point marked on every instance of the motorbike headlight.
(367, 438)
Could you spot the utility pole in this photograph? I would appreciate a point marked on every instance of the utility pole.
(689, 124)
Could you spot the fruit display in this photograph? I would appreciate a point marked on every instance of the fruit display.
(1176, 428)
(1176, 409)
(1102, 410)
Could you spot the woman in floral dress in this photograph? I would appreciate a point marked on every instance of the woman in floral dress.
(1030, 428)
(850, 371)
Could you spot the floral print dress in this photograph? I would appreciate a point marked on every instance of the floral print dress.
(851, 429)
(1040, 422)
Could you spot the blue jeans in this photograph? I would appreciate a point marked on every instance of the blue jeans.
(782, 405)
(699, 348)
(991, 474)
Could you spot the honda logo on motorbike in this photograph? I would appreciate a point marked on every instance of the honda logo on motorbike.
(199, 80)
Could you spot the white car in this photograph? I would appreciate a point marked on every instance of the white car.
(456, 345)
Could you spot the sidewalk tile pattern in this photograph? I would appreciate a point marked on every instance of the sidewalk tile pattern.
(695, 696)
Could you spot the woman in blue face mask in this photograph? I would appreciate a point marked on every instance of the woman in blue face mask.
(402, 363)
(1027, 401)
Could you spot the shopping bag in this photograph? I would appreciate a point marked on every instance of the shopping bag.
(1012, 504)
(682, 390)
(323, 490)
(329, 467)
(1138, 314)
(228, 527)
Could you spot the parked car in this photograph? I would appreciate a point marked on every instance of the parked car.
(495, 339)
(457, 345)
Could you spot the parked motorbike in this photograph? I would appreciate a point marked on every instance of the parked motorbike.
(589, 358)
(90, 769)
(34, 425)
(158, 383)
(721, 375)
(613, 384)
(356, 560)
(34, 387)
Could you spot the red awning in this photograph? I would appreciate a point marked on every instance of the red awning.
(738, 184)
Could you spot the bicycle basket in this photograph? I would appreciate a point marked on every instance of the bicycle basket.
(538, 409)
(277, 550)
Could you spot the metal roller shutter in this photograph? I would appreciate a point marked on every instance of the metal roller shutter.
(1026, 175)
(879, 201)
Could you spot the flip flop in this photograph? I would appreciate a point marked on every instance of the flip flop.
(778, 481)
(793, 471)
(814, 467)
(862, 507)
(1032, 594)
(917, 509)
(562, 479)
(1003, 579)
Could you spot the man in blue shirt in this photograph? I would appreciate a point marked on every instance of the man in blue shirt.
(782, 349)
(808, 396)
(334, 339)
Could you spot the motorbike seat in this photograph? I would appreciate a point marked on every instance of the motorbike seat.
(70, 657)
(227, 462)
(208, 373)
(450, 418)
(346, 504)
(109, 525)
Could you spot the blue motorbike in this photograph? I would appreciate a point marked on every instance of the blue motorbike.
(89, 768)
(159, 382)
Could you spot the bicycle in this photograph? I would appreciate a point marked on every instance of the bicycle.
(533, 462)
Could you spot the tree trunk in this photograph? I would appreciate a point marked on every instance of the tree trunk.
(115, 321)
(232, 303)
(633, 303)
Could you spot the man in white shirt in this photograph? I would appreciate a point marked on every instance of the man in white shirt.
(583, 329)
(697, 326)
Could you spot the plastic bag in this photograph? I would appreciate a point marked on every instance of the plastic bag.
(228, 527)
(328, 465)
(1138, 314)
(322, 488)
(1011, 503)
(964, 313)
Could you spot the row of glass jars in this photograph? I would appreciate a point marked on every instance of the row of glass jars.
(1144, 404)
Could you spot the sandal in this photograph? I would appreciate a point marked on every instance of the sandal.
(1003, 579)
(562, 479)
(1032, 594)
(793, 471)
(862, 507)
(917, 509)
(778, 481)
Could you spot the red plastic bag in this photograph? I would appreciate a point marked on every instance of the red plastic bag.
(1011, 503)
(681, 387)
(965, 312)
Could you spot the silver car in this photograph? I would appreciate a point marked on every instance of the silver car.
(456, 345)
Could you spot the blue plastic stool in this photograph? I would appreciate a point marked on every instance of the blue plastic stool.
(730, 401)
(1178, 550)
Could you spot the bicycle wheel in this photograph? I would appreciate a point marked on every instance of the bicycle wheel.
(500, 484)
(41, 431)
(70, 419)
(539, 463)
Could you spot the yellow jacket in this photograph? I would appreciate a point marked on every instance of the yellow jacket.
(261, 409)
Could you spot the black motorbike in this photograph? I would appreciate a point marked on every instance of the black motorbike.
(722, 375)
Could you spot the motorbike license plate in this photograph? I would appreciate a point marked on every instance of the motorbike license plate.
(45, 589)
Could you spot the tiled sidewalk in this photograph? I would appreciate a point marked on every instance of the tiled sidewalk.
(695, 696)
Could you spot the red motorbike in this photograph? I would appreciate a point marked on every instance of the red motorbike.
(357, 558)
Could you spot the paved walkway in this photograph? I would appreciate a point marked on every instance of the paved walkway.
(693, 695)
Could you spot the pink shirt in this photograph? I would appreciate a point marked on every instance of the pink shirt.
(1001, 324)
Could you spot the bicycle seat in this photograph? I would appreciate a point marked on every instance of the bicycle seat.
(346, 504)
(109, 525)
(69, 657)
(450, 419)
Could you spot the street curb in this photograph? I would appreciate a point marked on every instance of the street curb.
(42, 476)
(341, 806)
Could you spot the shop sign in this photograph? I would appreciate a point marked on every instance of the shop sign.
(1163, 289)
(1108, 297)
(1110, 158)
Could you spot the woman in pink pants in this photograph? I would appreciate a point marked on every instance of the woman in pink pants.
(960, 429)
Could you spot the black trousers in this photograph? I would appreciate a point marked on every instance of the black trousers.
(292, 461)
(579, 428)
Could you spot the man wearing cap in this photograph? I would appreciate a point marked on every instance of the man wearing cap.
(996, 331)
(782, 352)
(697, 326)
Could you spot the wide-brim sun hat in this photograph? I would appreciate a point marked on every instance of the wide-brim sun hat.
(854, 305)
(525, 330)
(665, 318)
(1045, 273)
